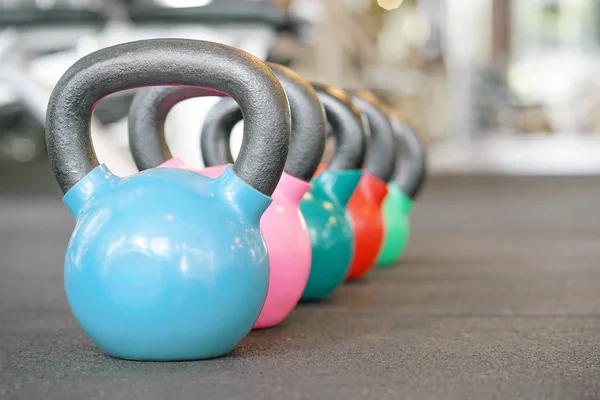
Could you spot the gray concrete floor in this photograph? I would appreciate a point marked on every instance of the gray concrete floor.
(497, 297)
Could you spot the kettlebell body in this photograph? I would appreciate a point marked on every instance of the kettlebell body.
(167, 264)
(396, 217)
(365, 212)
(402, 192)
(288, 243)
(187, 283)
(365, 206)
(282, 225)
(289, 248)
(331, 236)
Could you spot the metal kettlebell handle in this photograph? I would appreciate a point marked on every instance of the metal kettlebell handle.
(146, 122)
(151, 107)
(347, 127)
(411, 171)
(216, 132)
(307, 142)
(181, 62)
(381, 158)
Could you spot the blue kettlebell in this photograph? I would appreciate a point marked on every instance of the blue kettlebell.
(167, 264)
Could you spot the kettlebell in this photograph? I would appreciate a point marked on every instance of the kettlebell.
(167, 264)
(402, 192)
(324, 206)
(282, 225)
(366, 202)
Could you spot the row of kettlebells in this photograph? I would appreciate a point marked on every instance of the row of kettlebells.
(174, 263)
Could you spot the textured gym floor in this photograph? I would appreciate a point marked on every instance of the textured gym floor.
(498, 297)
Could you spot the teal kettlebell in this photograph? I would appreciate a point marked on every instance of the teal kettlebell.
(324, 206)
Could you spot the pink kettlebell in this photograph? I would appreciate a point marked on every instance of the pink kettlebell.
(282, 225)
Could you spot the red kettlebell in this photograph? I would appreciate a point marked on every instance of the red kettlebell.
(366, 202)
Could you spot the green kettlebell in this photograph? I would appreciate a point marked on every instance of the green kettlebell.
(402, 192)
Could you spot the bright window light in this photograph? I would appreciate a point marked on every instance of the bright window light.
(389, 4)
(185, 3)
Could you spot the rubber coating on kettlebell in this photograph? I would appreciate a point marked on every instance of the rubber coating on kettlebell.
(381, 157)
(347, 127)
(403, 189)
(307, 142)
(365, 209)
(396, 217)
(169, 62)
(332, 243)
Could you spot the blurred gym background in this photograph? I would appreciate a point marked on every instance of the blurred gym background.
(493, 86)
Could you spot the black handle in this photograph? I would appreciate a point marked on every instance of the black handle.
(147, 116)
(381, 158)
(347, 127)
(307, 143)
(216, 132)
(412, 169)
(169, 62)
